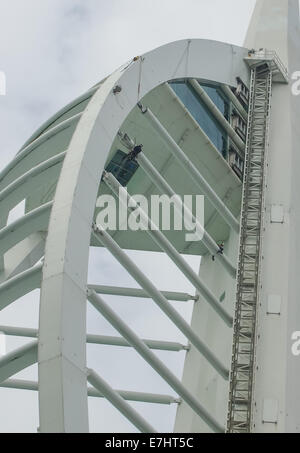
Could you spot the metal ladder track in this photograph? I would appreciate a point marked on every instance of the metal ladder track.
(243, 356)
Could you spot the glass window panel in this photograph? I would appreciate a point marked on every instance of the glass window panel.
(122, 169)
(203, 117)
(217, 98)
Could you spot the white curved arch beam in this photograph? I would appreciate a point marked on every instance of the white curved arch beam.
(62, 357)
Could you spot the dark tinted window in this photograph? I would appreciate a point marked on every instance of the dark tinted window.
(122, 169)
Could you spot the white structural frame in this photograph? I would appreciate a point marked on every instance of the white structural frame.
(64, 243)
(62, 398)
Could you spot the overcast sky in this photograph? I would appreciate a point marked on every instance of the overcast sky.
(51, 51)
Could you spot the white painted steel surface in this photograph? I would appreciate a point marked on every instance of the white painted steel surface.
(58, 172)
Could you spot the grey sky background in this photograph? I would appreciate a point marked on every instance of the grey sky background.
(52, 51)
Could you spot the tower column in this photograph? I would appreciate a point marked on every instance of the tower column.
(276, 400)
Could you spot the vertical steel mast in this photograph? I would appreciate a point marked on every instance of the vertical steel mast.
(276, 391)
(265, 65)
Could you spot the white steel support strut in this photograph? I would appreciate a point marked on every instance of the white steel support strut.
(190, 168)
(165, 245)
(218, 115)
(153, 360)
(40, 140)
(20, 285)
(165, 188)
(99, 339)
(139, 293)
(18, 360)
(104, 238)
(228, 92)
(141, 397)
(119, 402)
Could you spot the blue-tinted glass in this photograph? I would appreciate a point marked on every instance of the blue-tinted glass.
(217, 99)
(203, 117)
(122, 169)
